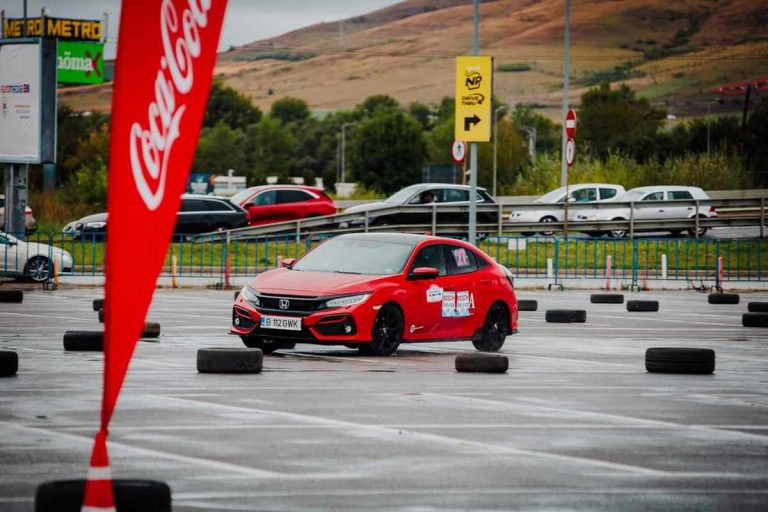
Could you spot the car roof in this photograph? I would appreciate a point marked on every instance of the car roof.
(277, 186)
(443, 185)
(408, 238)
(204, 196)
(655, 188)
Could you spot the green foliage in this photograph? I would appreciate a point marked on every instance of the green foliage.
(76, 145)
(616, 120)
(757, 147)
(616, 74)
(547, 131)
(271, 145)
(288, 56)
(422, 113)
(219, 149)
(388, 151)
(226, 105)
(88, 185)
(290, 110)
(515, 67)
(376, 102)
(511, 156)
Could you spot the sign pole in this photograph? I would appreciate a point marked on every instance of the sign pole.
(473, 145)
(563, 165)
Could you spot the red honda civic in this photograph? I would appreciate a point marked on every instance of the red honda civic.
(374, 291)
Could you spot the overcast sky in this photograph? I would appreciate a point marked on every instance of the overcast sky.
(245, 21)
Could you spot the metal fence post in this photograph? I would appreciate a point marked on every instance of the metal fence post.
(556, 261)
(635, 265)
(632, 219)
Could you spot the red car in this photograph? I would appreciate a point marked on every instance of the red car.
(266, 204)
(373, 291)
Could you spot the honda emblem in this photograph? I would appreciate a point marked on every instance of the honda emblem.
(284, 303)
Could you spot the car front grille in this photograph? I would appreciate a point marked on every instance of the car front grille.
(298, 305)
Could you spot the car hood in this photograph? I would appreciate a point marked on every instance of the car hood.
(369, 206)
(298, 282)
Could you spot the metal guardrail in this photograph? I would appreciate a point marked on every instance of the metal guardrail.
(751, 212)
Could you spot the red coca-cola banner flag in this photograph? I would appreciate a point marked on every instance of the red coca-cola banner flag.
(165, 56)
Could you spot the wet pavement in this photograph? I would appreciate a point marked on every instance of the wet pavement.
(575, 424)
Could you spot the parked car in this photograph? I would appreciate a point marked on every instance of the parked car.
(197, 214)
(267, 204)
(660, 212)
(443, 194)
(374, 291)
(580, 193)
(31, 260)
(30, 224)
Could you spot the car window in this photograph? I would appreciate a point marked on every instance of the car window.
(654, 196)
(266, 197)
(292, 196)
(3, 239)
(461, 260)
(453, 195)
(584, 195)
(680, 194)
(431, 256)
(218, 206)
(607, 193)
(193, 205)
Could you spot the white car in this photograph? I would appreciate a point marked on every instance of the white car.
(660, 212)
(31, 259)
(580, 193)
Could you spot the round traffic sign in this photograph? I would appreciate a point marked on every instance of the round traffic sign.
(570, 152)
(570, 123)
(458, 151)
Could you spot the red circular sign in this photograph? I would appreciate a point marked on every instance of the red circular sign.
(570, 123)
(458, 151)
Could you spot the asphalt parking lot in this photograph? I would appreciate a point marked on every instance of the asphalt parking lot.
(575, 424)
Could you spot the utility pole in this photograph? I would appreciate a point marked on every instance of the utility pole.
(496, 143)
(473, 145)
(563, 165)
(344, 150)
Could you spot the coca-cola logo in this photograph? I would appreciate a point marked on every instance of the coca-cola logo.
(150, 147)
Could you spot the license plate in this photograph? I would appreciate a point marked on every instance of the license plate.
(285, 323)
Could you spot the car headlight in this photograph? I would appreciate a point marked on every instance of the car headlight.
(95, 225)
(249, 294)
(349, 300)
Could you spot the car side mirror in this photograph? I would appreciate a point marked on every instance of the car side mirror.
(424, 273)
(289, 262)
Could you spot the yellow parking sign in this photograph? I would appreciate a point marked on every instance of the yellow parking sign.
(474, 89)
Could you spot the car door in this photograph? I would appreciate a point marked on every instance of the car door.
(191, 217)
(675, 211)
(650, 212)
(221, 215)
(261, 209)
(458, 307)
(423, 322)
(291, 204)
(451, 198)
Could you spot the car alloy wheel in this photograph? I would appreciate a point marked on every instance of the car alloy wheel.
(38, 269)
(387, 332)
(495, 329)
(617, 233)
(548, 220)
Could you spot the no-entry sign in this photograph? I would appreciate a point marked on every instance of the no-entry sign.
(570, 123)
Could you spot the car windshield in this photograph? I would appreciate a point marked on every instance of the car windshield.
(632, 195)
(241, 196)
(552, 197)
(352, 255)
(403, 195)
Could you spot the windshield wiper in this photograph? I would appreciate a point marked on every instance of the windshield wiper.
(346, 272)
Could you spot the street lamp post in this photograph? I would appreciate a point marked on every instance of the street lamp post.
(496, 143)
(531, 132)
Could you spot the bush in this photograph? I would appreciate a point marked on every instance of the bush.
(516, 67)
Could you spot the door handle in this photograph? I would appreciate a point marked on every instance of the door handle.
(486, 281)
(661, 211)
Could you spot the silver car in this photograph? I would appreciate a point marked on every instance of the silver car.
(31, 260)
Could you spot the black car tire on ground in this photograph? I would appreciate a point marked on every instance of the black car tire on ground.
(495, 329)
(229, 360)
(84, 341)
(38, 269)
(387, 332)
(680, 360)
(130, 496)
(723, 298)
(642, 305)
(757, 307)
(98, 304)
(754, 320)
(151, 330)
(607, 298)
(482, 363)
(266, 345)
(527, 305)
(13, 296)
(9, 363)
(566, 316)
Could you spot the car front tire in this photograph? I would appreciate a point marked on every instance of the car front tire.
(547, 220)
(38, 269)
(495, 329)
(387, 332)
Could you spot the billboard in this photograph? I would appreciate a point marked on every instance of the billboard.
(27, 102)
(60, 28)
(80, 63)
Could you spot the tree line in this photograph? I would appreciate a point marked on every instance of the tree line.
(621, 138)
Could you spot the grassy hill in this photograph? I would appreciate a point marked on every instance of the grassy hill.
(671, 52)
